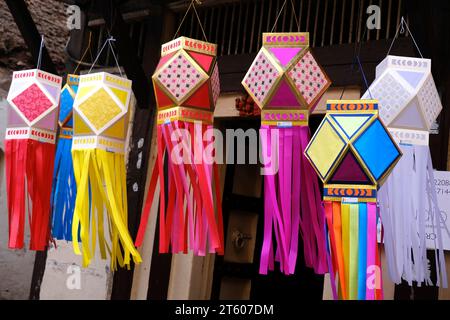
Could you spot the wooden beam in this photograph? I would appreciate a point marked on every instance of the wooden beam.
(142, 125)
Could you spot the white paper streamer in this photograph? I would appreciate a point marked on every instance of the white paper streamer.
(404, 199)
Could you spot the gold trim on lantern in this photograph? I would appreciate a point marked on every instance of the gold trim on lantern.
(184, 114)
(284, 117)
(192, 91)
(190, 45)
(361, 106)
(285, 39)
(352, 192)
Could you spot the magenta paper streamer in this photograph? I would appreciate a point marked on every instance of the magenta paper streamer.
(292, 205)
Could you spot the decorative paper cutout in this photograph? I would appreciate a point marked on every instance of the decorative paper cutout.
(349, 172)
(284, 97)
(32, 96)
(284, 55)
(350, 124)
(261, 78)
(308, 77)
(203, 60)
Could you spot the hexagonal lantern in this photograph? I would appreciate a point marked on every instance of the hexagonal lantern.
(285, 76)
(100, 112)
(30, 151)
(186, 78)
(409, 105)
(353, 153)
(286, 82)
(34, 104)
(186, 86)
(352, 147)
(407, 94)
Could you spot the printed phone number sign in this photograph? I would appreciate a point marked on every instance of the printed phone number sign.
(442, 186)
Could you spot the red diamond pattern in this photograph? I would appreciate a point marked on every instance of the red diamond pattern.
(32, 102)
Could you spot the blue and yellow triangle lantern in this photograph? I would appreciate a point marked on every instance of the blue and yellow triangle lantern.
(353, 153)
(101, 112)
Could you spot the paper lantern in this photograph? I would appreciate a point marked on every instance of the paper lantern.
(409, 105)
(101, 113)
(186, 86)
(286, 82)
(64, 186)
(30, 150)
(353, 153)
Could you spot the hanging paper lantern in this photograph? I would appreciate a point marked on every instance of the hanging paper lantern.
(101, 115)
(286, 82)
(353, 153)
(64, 186)
(186, 84)
(409, 105)
(30, 150)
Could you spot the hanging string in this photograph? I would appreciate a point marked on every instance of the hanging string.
(364, 76)
(401, 29)
(342, 93)
(281, 11)
(88, 48)
(41, 48)
(357, 51)
(192, 6)
(107, 42)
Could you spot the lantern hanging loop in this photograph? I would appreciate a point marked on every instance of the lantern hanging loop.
(281, 11)
(192, 5)
(88, 48)
(108, 41)
(401, 29)
(41, 48)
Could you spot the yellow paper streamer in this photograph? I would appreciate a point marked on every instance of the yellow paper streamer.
(353, 245)
(345, 209)
(105, 173)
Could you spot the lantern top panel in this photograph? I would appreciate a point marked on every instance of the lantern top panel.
(104, 78)
(36, 74)
(404, 63)
(337, 106)
(352, 146)
(190, 45)
(286, 39)
(407, 93)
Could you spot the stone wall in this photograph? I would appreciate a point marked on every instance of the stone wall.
(50, 19)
